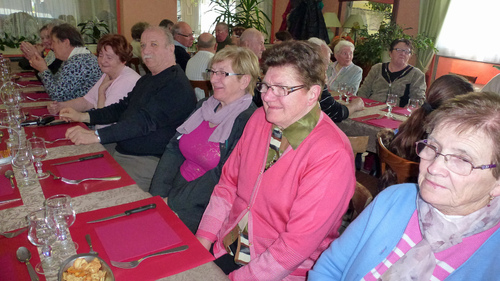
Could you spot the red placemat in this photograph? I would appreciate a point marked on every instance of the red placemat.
(38, 111)
(6, 190)
(11, 268)
(99, 167)
(383, 122)
(34, 83)
(368, 102)
(51, 133)
(26, 74)
(174, 263)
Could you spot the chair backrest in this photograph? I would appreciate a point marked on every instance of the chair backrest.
(206, 86)
(359, 144)
(135, 62)
(471, 79)
(403, 168)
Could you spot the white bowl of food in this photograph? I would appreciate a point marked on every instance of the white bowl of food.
(87, 265)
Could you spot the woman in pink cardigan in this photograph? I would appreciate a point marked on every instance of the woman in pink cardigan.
(287, 183)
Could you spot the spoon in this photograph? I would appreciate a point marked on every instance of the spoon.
(87, 237)
(10, 175)
(24, 255)
(54, 176)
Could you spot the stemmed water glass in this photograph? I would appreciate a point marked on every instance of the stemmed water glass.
(349, 92)
(341, 88)
(391, 101)
(413, 104)
(23, 159)
(39, 152)
(60, 216)
(41, 235)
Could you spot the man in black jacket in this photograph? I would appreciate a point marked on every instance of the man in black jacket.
(145, 120)
(183, 39)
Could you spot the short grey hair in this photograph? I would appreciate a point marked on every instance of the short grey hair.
(319, 42)
(341, 44)
(168, 35)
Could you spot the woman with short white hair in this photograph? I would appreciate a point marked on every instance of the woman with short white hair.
(343, 70)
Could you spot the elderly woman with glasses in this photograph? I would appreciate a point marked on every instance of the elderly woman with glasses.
(286, 185)
(192, 162)
(395, 77)
(446, 228)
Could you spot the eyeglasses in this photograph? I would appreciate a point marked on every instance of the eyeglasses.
(278, 90)
(189, 35)
(221, 73)
(454, 163)
(408, 52)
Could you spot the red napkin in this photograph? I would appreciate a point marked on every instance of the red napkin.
(148, 227)
(34, 83)
(26, 74)
(383, 122)
(51, 133)
(149, 269)
(11, 268)
(99, 167)
(6, 190)
(399, 110)
(368, 102)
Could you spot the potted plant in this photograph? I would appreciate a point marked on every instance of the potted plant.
(245, 13)
(93, 30)
(7, 41)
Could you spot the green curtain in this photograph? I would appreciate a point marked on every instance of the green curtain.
(431, 18)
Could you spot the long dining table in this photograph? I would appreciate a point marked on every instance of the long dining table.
(370, 120)
(96, 199)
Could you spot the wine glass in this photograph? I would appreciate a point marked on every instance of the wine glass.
(391, 101)
(23, 159)
(39, 152)
(41, 235)
(60, 216)
(349, 92)
(413, 104)
(341, 87)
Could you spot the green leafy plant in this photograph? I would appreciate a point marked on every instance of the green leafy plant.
(370, 46)
(14, 42)
(244, 13)
(93, 30)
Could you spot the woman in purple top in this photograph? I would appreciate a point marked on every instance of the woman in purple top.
(192, 162)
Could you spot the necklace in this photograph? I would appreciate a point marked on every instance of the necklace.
(407, 69)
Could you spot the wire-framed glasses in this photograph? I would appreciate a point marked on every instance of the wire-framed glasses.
(222, 73)
(454, 163)
(278, 90)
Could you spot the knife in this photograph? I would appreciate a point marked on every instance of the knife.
(9, 201)
(126, 213)
(81, 159)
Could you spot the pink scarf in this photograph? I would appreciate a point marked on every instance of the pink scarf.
(224, 118)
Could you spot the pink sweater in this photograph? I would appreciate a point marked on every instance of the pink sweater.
(296, 206)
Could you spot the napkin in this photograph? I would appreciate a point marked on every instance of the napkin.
(11, 268)
(383, 122)
(93, 168)
(148, 231)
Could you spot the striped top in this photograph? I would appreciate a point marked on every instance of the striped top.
(446, 261)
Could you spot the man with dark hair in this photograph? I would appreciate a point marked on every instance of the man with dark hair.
(146, 119)
(183, 39)
(197, 65)
(222, 35)
(167, 24)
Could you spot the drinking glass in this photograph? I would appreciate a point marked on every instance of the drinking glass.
(341, 87)
(413, 104)
(60, 216)
(39, 152)
(391, 101)
(23, 159)
(41, 235)
(349, 92)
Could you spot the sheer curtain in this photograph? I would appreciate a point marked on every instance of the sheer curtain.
(470, 31)
(26, 17)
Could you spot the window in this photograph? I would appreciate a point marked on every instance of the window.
(470, 31)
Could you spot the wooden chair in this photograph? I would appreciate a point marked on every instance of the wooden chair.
(471, 79)
(206, 86)
(404, 169)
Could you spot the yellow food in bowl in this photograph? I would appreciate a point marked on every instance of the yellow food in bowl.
(81, 270)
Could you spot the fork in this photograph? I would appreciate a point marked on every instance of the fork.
(13, 234)
(134, 264)
(33, 99)
(93, 179)
(56, 140)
